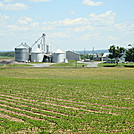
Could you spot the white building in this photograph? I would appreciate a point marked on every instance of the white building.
(37, 55)
(107, 59)
(97, 57)
(59, 56)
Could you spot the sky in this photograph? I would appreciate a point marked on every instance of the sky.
(68, 24)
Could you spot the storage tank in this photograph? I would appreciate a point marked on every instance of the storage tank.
(59, 56)
(47, 49)
(37, 55)
(22, 53)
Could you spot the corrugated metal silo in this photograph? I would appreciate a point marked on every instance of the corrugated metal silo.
(22, 53)
(59, 56)
(37, 55)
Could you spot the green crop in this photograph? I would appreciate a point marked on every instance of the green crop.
(72, 100)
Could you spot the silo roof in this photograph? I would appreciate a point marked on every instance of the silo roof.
(37, 51)
(59, 51)
(22, 46)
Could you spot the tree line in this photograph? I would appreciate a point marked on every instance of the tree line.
(116, 52)
(7, 54)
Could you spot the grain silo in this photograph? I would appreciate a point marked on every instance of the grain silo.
(37, 55)
(22, 53)
(59, 56)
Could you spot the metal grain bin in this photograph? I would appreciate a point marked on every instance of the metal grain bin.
(37, 55)
(59, 56)
(22, 53)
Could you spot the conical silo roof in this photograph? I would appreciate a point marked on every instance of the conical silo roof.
(59, 51)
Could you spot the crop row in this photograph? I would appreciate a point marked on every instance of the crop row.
(59, 100)
(39, 115)
(88, 108)
(47, 107)
(115, 101)
(28, 123)
(37, 111)
(22, 114)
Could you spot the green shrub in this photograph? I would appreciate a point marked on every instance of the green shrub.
(128, 65)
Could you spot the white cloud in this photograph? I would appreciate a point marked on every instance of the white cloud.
(125, 27)
(72, 12)
(34, 24)
(71, 21)
(25, 20)
(17, 28)
(7, 0)
(90, 36)
(103, 20)
(106, 14)
(3, 18)
(113, 38)
(59, 35)
(39, 0)
(68, 22)
(94, 22)
(92, 3)
(16, 6)
(84, 28)
(106, 19)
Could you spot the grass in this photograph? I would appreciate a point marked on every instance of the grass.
(71, 100)
(19, 65)
(70, 63)
(5, 57)
(38, 62)
(14, 65)
(114, 64)
(1, 64)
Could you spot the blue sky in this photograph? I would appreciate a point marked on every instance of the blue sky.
(69, 24)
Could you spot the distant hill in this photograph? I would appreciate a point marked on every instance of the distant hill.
(91, 52)
(7, 53)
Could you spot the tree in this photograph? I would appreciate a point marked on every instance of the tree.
(86, 56)
(116, 52)
(7, 54)
(130, 55)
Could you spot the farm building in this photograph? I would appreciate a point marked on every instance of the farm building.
(72, 55)
(97, 57)
(39, 52)
(37, 55)
(107, 59)
(59, 56)
(22, 53)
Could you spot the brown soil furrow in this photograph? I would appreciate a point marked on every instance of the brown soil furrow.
(122, 130)
(20, 114)
(129, 98)
(44, 110)
(33, 130)
(90, 103)
(10, 118)
(36, 113)
(76, 108)
(14, 97)
(70, 101)
(117, 97)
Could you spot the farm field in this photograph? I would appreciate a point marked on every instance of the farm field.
(71, 100)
